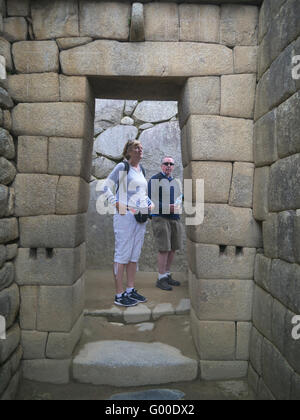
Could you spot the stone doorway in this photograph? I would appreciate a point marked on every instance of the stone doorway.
(54, 126)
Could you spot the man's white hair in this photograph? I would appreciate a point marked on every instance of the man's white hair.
(167, 157)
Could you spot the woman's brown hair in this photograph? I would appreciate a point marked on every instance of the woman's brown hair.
(128, 146)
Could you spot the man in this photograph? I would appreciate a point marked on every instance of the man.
(165, 193)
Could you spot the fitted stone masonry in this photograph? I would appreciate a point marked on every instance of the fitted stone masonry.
(239, 136)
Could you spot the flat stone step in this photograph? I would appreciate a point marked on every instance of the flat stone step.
(128, 363)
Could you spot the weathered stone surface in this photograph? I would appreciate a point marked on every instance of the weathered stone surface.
(5, 99)
(70, 157)
(32, 154)
(7, 147)
(55, 19)
(52, 120)
(62, 268)
(199, 23)
(34, 87)
(159, 138)
(28, 307)
(137, 23)
(262, 271)
(217, 179)
(76, 89)
(102, 167)
(111, 143)
(241, 192)
(61, 345)
(3, 74)
(270, 235)
(35, 194)
(159, 363)
(34, 344)
(239, 25)
(15, 29)
(262, 312)
(46, 370)
(238, 95)
(7, 123)
(70, 42)
(284, 191)
(277, 373)
(256, 342)
(279, 312)
(260, 193)
(286, 235)
(215, 340)
(9, 345)
(297, 236)
(2, 255)
(207, 262)
(130, 107)
(18, 8)
(137, 314)
(220, 138)
(104, 20)
(60, 307)
(295, 392)
(201, 95)
(52, 231)
(162, 309)
(35, 56)
(11, 251)
(4, 194)
(245, 59)
(288, 127)
(9, 304)
(229, 300)
(127, 121)
(161, 22)
(243, 340)
(5, 50)
(72, 195)
(227, 226)
(149, 111)
(218, 371)
(7, 275)
(286, 292)
(265, 140)
(107, 114)
(8, 230)
(291, 352)
(113, 58)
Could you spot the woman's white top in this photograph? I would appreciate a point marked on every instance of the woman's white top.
(133, 193)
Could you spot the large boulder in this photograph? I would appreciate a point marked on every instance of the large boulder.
(107, 113)
(111, 143)
(150, 111)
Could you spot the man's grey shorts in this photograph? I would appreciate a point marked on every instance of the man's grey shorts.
(167, 233)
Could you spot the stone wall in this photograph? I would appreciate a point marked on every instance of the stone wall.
(274, 355)
(10, 347)
(69, 52)
(155, 124)
(216, 117)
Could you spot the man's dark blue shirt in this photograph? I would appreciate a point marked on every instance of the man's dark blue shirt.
(171, 199)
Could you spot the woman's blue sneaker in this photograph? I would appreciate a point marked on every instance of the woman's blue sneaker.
(125, 300)
(136, 296)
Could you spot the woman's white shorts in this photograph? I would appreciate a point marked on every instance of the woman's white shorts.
(129, 238)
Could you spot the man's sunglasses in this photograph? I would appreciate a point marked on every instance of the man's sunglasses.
(168, 164)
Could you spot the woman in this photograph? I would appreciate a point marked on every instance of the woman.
(131, 197)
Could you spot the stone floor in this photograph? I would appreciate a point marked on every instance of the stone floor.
(164, 319)
(196, 390)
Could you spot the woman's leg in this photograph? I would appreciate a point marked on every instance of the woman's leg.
(131, 273)
(119, 274)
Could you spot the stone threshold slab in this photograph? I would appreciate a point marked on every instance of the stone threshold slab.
(141, 312)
